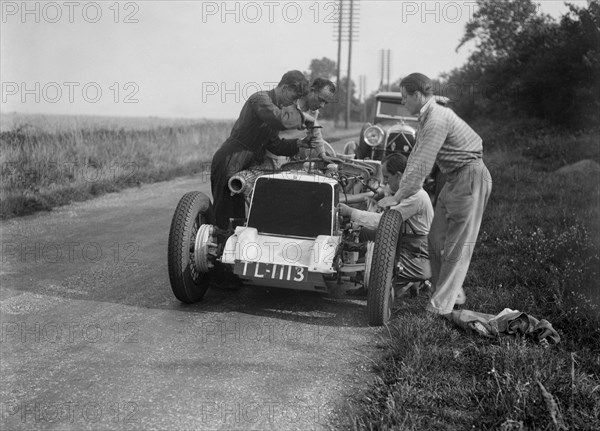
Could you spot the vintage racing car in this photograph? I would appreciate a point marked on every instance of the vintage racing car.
(292, 236)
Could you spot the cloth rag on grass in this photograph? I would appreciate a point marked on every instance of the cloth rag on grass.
(506, 322)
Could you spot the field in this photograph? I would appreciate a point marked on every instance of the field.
(48, 161)
(538, 251)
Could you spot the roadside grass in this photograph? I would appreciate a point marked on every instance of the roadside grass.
(52, 160)
(538, 252)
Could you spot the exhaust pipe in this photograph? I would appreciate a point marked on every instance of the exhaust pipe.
(243, 182)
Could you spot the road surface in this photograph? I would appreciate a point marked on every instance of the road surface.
(93, 338)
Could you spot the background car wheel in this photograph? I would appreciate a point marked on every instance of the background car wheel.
(188, 283)
(380, 295)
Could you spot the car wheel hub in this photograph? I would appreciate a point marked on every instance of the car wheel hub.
(204, 248)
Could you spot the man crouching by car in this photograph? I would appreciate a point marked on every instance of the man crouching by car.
(417, 215)
(256, 131)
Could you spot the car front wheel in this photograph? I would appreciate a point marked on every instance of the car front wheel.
(189, 279)
(380, 294)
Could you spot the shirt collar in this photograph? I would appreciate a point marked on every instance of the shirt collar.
(426, 107)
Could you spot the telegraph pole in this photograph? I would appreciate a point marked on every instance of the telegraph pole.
(348, 77)
(339, 59)
(384, 83)
(362, 80)
(389, 60)
(381, 75)
(346, 30)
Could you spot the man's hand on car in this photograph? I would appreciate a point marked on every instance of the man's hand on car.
(307, 142)
(313, 147)
(309, 120)
(372, 205)
(344, 210)
(387, 202)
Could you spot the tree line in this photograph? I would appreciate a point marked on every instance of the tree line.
(524, 64)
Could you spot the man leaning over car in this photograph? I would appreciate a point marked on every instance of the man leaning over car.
(257, 130)
(445, 139)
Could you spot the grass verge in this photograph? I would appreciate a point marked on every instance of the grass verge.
(538, 252)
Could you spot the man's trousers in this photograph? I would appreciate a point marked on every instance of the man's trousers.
(457, 218)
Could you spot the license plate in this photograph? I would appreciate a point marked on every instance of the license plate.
(271, 271)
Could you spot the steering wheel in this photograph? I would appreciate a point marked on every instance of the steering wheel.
(329, 150)
(318, 163)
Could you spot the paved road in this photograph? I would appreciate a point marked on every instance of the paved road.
(93, 339)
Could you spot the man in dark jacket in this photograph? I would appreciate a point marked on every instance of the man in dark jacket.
(255, 131)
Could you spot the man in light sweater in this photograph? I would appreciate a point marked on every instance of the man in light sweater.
(445, 139)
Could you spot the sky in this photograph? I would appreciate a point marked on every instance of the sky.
(202, 59)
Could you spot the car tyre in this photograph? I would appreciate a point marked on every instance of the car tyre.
(380, 294)
(188, 283)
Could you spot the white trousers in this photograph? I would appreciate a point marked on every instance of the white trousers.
(457, 218)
